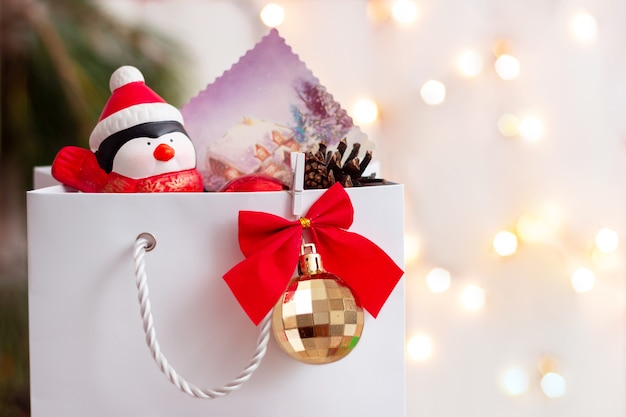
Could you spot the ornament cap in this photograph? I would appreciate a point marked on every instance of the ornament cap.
(311, 262)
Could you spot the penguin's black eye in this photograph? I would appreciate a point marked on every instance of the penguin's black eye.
(171, 140)
(149, 143)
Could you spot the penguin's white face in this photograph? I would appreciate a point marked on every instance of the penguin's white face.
(144, 157)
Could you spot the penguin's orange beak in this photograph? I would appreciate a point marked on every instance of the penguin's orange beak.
(163, 152)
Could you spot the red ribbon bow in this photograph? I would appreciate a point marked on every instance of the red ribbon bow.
(272, 244)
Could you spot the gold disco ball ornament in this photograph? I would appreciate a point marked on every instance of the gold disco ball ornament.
(317, 319)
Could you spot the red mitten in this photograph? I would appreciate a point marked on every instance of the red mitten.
(78, 168)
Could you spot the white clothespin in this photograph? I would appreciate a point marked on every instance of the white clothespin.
(297, 170)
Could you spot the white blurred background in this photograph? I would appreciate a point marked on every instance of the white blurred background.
(505, 121)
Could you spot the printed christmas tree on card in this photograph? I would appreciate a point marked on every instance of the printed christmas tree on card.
(264, 107)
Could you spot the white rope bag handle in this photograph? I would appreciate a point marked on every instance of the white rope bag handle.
(145, 243)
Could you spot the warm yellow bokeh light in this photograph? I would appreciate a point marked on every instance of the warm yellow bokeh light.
(584, 27)
(420, 347)
(507, 67)
(404, 11)
(553, 385)
(433, 92)
(501, 46)
(583, 280)
(547, 364)
(438, 280)
(378, 10)
(470, 63)
(508, 125)
(273, 15)
(532, 229)
(607, 240)
(411, 248)
(473, 297)
(365, 111)
(541, 225)
(531, 129)
(514, 382)
(505, 243)
(605, 260)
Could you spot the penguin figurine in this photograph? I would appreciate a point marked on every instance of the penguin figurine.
(138, 145)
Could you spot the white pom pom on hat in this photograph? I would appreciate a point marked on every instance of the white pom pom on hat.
(131, 103)
(125, 75)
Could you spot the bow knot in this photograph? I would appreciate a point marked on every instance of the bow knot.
(271, 246)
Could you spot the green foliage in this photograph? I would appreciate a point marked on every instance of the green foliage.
(14, 379)
(57, 57)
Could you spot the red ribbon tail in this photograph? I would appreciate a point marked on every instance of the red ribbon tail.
(369, 272)
(258, 281)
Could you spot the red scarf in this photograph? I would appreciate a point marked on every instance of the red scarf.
(182, 181)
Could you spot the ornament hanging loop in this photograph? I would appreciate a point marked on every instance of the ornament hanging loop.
(310, 263)
(304, 247)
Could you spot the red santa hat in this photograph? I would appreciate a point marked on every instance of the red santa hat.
(132, 103)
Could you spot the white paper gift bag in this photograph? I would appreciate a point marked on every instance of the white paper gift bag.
(88, 350)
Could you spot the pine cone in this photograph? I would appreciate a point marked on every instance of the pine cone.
(323, 169)
(315, 172)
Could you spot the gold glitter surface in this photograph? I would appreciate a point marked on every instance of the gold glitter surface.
(317, 320)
